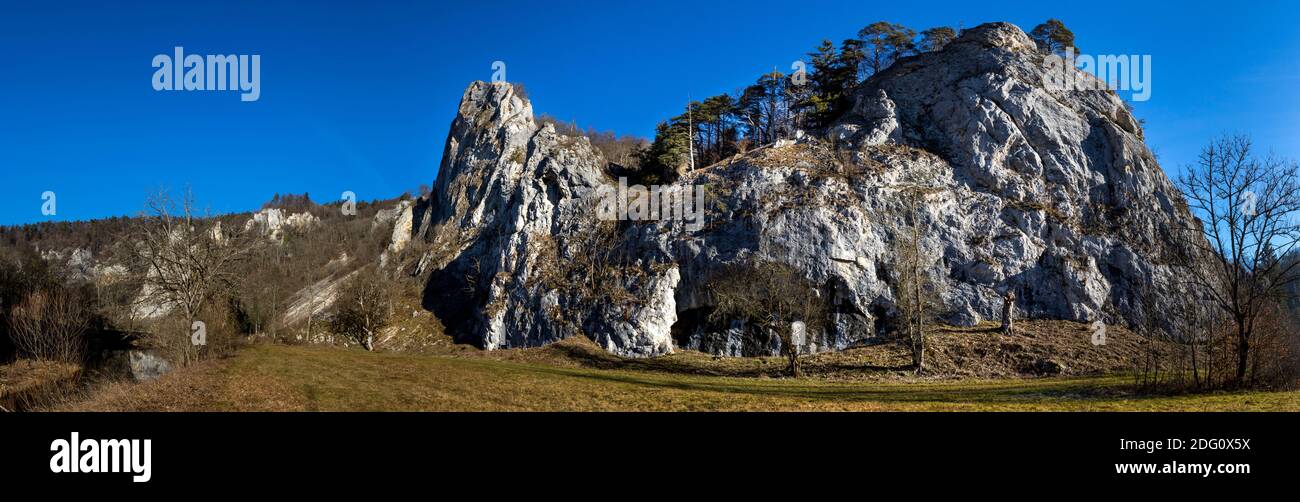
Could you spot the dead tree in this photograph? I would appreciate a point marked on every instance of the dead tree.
(1008, 312)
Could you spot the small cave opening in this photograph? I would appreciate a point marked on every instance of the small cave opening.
(842, 325)
(696, 329)
(446, 295)
(887, 324)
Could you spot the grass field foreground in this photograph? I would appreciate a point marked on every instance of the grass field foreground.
(286, 378)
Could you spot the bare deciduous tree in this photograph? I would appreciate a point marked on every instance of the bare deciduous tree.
(1246, 208)
(771, 296)
(916, 295)
(186, 261)
(1196, 330)
(363, 309)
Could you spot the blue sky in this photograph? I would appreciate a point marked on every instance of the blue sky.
(358, 96)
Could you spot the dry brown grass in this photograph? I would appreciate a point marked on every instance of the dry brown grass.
(284, 378)
(974, 369)
(213, 385)
(977, 352)
(28, 384)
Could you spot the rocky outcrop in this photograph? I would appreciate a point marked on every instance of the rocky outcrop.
(513, 222)
(1050, 194)
(77, 265)
(1067, 204)
(403, 219)
(401, 228)
(313, 301)
(272, 222)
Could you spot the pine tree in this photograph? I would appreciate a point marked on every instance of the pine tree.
(1053, 37)
(666, 157)
(884, 43)
(936, 38)
(834, 74)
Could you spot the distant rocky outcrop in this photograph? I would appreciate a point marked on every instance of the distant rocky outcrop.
(403, 217)
(272, 222)
(78, 264)
(315, 300)
(1051, 194)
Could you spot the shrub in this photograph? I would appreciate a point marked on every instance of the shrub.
(50, 325)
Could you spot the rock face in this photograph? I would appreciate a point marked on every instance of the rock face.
(513, 224)
(1069, 206)
(1050, 194)
(402, 217)
(78, 264)
(272, 222)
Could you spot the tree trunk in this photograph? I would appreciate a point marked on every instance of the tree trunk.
(1243, 353)
(919, 342)
(918, 347)
(1196, 372)
(188, 344)
(1209, 362)
(1008, 313)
